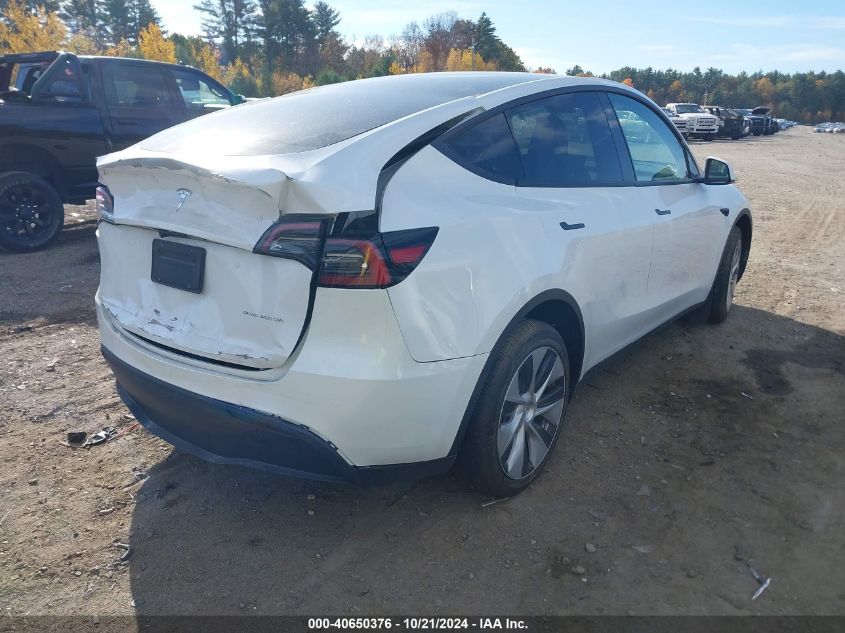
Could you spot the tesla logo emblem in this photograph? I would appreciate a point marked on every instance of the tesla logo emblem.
(183, 194)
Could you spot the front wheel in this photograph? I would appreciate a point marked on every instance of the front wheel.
(727, 276)
(520, 409)
(31, 212)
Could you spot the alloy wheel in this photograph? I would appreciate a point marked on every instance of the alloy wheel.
(531, 412)
(25, 213)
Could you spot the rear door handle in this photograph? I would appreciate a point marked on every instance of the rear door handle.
(126, 122)
(570, 227)
(663, 211)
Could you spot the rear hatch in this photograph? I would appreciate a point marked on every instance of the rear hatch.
(178, 268)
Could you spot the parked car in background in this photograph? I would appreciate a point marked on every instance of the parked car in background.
(769, 124)
(700, 124)
(756, 122)
(731, 123)
(59, 111)
(378, 278)
(678, 121)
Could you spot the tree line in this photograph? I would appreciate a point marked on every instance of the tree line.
(808, 97)
(271, 47)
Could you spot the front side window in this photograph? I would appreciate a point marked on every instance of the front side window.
(565, 141)
(655, 151)
(135, 86)
(62, 84)
(488, 147)
(198, 92)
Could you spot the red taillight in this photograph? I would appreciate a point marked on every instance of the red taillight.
(293, 238)
(358, 260)
(379, 261)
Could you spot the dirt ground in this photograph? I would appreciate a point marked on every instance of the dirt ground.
(698, 442)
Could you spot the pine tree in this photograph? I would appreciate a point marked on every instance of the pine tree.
(84, 17)
(288, 33)
(125, 19)
(492, 48)
(324, 19)
(117, 22)
(230, 21)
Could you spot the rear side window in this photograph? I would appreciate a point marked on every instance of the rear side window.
(565, 141)
(135, 86)
(488, 148)
(656, 153)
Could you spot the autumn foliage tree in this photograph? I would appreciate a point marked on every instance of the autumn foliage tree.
(23, 30)
(153, 45)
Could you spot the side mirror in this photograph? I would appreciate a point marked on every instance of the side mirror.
(717, 172)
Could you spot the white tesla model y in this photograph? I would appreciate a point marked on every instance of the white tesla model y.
(382, 277)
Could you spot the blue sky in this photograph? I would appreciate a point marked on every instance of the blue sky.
(746, 35)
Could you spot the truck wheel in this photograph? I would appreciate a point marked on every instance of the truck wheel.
(31, 212)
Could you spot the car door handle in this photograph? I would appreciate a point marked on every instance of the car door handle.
(570, 227)
(663, 211)
(126, 122)
(725, 211)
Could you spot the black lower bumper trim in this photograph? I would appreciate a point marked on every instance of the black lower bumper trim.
(226, 433)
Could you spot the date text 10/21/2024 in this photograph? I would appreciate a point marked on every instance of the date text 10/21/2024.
(420, 623)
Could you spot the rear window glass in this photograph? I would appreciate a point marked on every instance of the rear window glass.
(489, 147)
(315, 118)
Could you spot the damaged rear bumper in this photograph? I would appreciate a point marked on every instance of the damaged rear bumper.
(227, 433)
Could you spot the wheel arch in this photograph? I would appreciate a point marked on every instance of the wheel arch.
(560, 310)
(36, 160)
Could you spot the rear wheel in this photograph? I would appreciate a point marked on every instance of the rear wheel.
(727, 276)
(519, 413)
(31, 212)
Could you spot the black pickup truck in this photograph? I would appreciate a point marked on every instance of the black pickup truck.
(731, 124)
(59, 111)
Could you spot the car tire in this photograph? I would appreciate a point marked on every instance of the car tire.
(727, 276)
(509, 435)
(31, 212)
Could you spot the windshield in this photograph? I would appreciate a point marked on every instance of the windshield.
(686, 108)
(315, 118)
